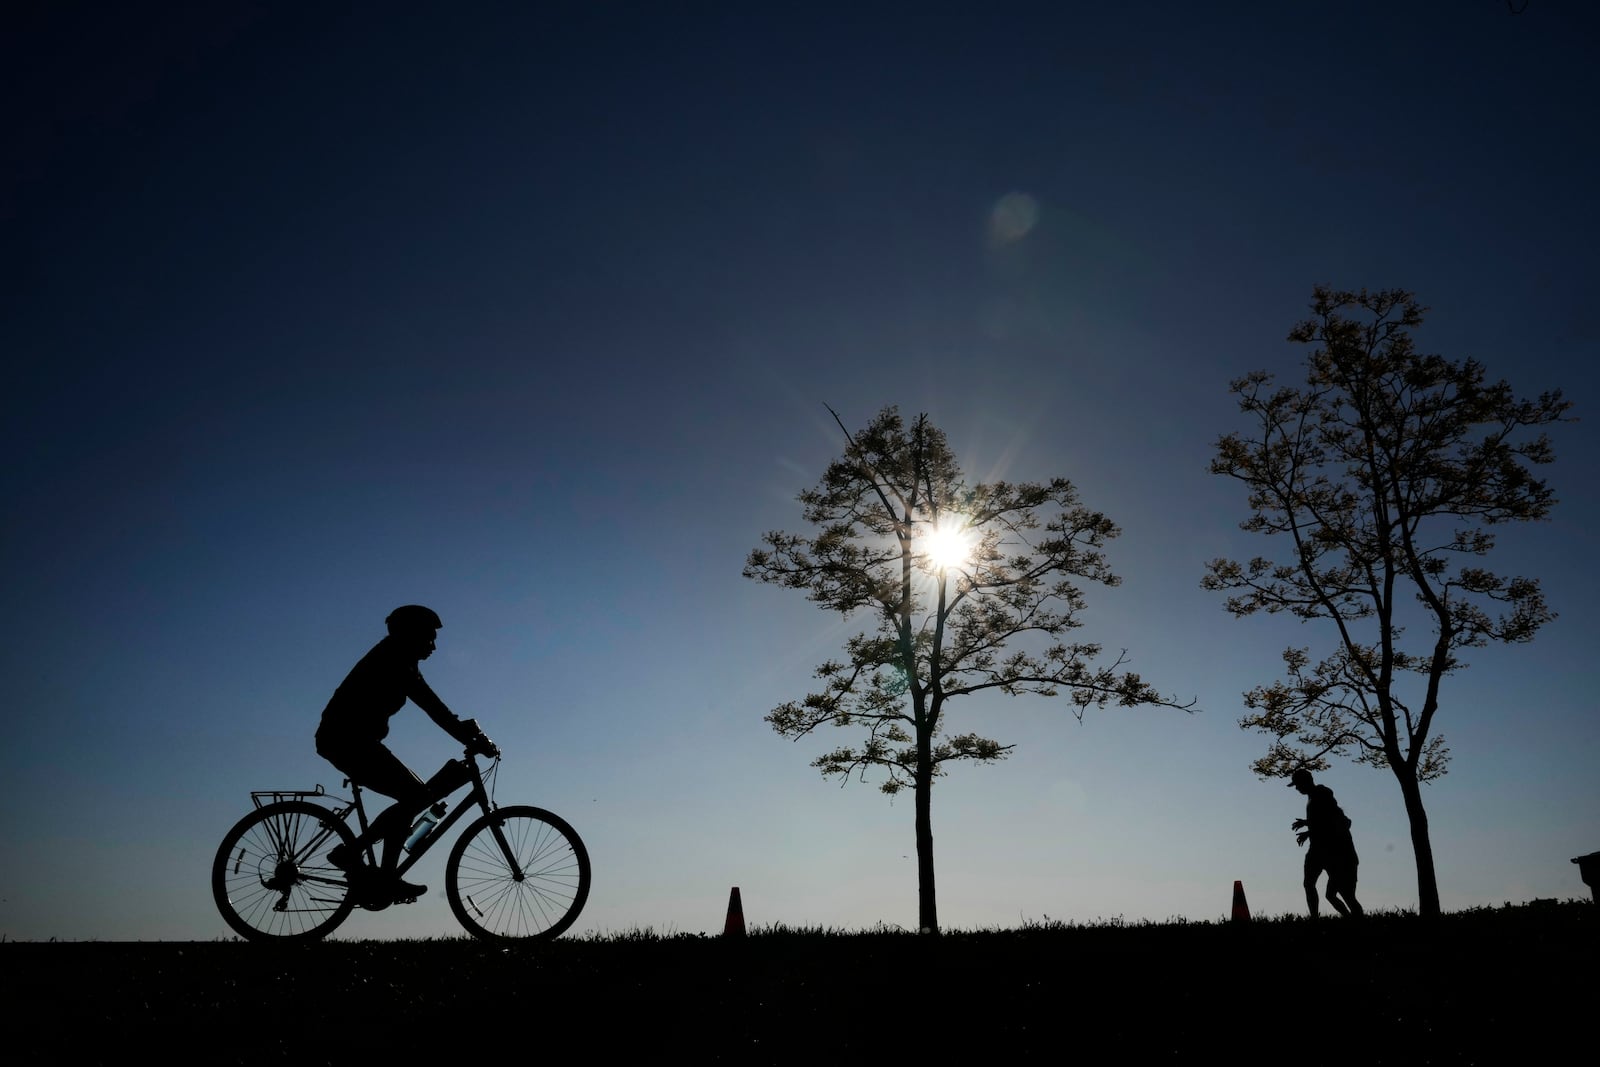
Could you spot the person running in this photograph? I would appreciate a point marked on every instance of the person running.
(350, 736)
(1332, 848)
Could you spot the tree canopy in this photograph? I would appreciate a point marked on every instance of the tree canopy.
(967, 589)
(1381, 478)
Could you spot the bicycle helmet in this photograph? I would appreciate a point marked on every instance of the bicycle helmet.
(411, 619)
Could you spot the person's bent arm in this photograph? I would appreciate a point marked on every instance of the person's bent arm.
(423, 696)
(465, 731)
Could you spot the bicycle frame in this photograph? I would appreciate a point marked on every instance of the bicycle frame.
(478, 799)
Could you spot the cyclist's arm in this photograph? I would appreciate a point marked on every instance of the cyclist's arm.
(423, 696)
(465, 731)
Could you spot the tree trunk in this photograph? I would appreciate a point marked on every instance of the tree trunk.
(1421, 846)
(927, 908)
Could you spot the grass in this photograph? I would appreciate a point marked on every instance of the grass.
(1482, 986)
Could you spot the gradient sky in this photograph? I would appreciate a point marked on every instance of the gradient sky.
(530, 313)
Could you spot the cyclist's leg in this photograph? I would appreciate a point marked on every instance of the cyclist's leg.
(387, 775)
(345, 856)
(452, 776)
(375, 768)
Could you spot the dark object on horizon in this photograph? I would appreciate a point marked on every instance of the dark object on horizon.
(734, 927)
(1241, 910)
(1589, 871)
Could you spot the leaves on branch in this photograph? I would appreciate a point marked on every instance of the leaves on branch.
(1381, 476)
(995, 621)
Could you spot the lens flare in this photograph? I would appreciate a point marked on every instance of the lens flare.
(1013, 217)
(948, 546)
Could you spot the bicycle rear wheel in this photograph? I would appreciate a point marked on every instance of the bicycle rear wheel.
(517, 874)
(272, 880)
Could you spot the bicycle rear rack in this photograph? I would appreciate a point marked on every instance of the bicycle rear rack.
(262, 797)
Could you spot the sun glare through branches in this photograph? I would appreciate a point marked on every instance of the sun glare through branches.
(948, 545)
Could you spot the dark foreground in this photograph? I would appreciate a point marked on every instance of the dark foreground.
(1511, 985)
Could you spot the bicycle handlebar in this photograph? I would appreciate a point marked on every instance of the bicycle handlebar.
(479, 743)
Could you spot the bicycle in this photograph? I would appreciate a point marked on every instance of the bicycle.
(517, 873)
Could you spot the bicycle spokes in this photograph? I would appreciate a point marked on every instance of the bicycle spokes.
(272, 878)
(520, 873)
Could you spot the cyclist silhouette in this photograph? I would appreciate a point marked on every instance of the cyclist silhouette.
(351, 734)
(1332, 848)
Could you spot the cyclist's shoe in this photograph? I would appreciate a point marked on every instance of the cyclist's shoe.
(375, 890)
(401, 892)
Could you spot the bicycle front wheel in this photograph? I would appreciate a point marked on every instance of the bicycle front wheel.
(517, 874)
(272, 880)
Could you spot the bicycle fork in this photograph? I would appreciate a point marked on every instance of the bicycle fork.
(517, 874)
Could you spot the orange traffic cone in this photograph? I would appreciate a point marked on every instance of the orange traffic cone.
(1241, 910)
(734, 927)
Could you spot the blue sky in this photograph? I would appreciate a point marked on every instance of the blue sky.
(531, 316)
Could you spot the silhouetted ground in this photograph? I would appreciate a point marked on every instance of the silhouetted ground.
(1507, 985)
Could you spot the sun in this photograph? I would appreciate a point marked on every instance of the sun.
(948, 545)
